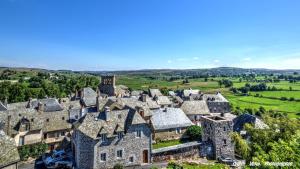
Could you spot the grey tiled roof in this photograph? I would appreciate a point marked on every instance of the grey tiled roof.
(155, 92)
(94, 123)
(8, 151)
(50, 104)
(214, 97)
(163, 100)
(188, 92)
(195, 107)
(240, 121)
(89, 96)
(136, 93)
(2, 107)
(169, 118)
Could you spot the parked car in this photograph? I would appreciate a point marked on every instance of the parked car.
(227, 160)
(66, 163)
(58, 159)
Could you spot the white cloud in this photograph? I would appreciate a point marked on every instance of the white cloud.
(169, 61)
(216, 61)
(195, 58)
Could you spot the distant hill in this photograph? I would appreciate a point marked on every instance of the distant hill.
(228, 71)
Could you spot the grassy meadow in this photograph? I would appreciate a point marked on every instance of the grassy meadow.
(270, 100)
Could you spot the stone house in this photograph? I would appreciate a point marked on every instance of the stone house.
(106, 138)
(35, 121)
(194, 110)
(169, 124)
(108, 86)
(217, 103)
(216, 133)
(9, 156)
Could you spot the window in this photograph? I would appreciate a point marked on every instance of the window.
(178, 130)
(139, 133)
(224, 140)
(119, 153)
(63, 118)
(76, 117)
(224, 128)
(47, 120)
(103, 156)
(32, 120)
(120, 135)
(103, 138)
(131, 159)
(63, 133)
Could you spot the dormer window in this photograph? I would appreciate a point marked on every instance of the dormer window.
(103, 137)
(138, 133)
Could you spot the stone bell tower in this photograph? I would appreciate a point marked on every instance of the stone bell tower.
(107, 85)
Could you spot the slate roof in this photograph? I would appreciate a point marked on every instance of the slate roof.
(169, 118)
(195, 107)
(8, 151)
(240, 121)
(94, 123)
(2, 107)
(89, 97)
(50, 104)
(214, 97)
(188, 92)
(163, 100)
(155, 92)
(46, 121)
(136, 93)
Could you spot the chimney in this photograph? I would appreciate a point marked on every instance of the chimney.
(5, 102)
(165, 109)
(8, 125)
(76, 93)
(40, 107)
(29, 103)
(222, 114)
(144, 97)
(97, 101)
(107, 113)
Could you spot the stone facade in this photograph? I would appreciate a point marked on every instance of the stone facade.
(107, 85)
(88, 151)
(216, 131)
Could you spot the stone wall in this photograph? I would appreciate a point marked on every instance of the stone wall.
(170, 134)
(187, 150)
(218, 107)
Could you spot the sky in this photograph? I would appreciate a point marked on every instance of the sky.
(149, 34)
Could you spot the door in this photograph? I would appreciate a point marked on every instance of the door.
(145, 156)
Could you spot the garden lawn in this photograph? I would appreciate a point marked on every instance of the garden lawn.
(166, 144)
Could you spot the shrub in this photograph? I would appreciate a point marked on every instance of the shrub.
(174, 165)
(194, 132)
(118, 166)
(292, 99)
(283, 98)
(34, 151)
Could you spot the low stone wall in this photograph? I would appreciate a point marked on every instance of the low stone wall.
(181, 151)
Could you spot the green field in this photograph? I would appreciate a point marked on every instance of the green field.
(270, 100)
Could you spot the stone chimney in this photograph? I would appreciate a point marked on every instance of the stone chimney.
(144, 97)
(107, 113)
(97, 101)
(40, 107)
(29, 103)
(8, 125)
(5, 102)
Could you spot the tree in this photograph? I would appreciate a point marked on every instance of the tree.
(194, 132)
(241, 146)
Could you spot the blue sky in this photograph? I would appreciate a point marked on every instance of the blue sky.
(147, 34)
